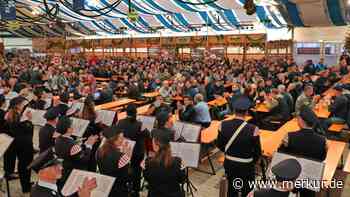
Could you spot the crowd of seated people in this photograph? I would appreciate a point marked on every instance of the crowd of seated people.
(281, 84)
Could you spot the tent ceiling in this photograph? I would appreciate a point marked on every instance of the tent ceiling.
(175, 16)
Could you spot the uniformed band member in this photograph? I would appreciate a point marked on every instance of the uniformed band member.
(48, 133)
(286, 170)
(131, 129)
(163, 172)
(75, 156)
(49, 169)
(22, 146)
(113, 159)
(2, 114)
(306, 142)
(164, 124)
(240, 142)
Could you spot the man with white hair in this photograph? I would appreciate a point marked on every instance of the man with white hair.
(202, 115)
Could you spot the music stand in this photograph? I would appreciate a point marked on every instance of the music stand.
(189, 185)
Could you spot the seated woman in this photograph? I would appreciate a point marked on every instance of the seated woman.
(163, 172)
(113, 159)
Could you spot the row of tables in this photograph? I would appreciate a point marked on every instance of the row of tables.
(270, 141)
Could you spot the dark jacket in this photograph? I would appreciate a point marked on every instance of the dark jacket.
(188, 114)
(46, 139)
(132, 130)
(306, 143)
(164, 182)
(339, 108)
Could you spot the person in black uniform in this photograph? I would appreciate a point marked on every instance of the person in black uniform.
(131, 129)
(49, 169)
(164, 124)
(47, 133)
(113, 159)
(2, 114)
(75, 156)
(163, 172)
(63, 105)
(22, 146)
(186, 111)
(37, 102)
(240, 142)
(305, 143)
(286, 170)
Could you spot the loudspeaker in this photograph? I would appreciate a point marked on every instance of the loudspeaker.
(8, 10)
(78, 5)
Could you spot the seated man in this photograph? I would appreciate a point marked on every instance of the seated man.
(307, 98)
(202, 115)
(306, 142)
(278, 108)
(186, 111)
(338, 108)
(157, 106)
(166, 92)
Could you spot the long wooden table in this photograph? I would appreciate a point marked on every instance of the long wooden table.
(114, 104)
(150, 94)
(140, 111)
(218, 102)
(270, 142)
(261, 107)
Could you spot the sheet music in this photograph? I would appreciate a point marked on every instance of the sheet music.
(75, 107)
(37, 116)
(191, 132)
(147, 122)
(105, 116)
(5, 142)
(311, 170)
(188, 152)
(8, 97)
(48, 101)
(178, 126)
(79, 126)
(76, 179)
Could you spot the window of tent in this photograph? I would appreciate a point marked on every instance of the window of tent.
(141, 50)
(234, 50)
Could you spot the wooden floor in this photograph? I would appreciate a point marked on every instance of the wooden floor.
(207, 185)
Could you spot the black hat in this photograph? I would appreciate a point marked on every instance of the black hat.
(45, 160)
(162, 136)
(241, 103)
(131, 110)
(64, 123)
(287, 170)
(109, 132)
(308, 115)
(52, 114)
(162, 117)
(17, 100)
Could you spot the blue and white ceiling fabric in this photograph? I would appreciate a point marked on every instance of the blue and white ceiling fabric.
(179, 16)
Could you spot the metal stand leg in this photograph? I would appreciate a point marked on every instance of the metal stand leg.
(7, 187)
(189, 185)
